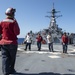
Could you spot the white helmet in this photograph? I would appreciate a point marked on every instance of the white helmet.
(10, 11)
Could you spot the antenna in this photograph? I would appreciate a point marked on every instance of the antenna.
(53, 12)
(53, 5)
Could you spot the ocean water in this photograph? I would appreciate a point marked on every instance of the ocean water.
(20, 40)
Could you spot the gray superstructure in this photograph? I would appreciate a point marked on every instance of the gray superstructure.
(53, 28)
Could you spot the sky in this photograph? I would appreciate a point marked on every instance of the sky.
(30, 14)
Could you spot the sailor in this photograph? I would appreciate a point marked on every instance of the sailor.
(9, 29)
(64, 42)
(50, 42)
(39, 40)
(28, 42)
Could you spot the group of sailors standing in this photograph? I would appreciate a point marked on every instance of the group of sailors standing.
(28, 41)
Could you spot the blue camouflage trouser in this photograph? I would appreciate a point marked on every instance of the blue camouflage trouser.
(64, 48)
(8, 57)
(50, 46)
(39, 45)
(28, 44)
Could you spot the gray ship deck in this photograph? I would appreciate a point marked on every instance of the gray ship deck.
(44, 62)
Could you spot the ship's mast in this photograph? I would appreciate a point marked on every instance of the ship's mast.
(53, 26)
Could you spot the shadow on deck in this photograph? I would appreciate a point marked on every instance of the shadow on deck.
(44, 73)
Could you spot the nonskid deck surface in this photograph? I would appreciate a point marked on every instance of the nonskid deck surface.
(44, 49)
(43, 62)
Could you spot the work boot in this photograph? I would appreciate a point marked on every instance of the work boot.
(12, 72)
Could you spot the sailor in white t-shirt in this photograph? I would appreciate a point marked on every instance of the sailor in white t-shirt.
(50, 42)
(28, 41)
